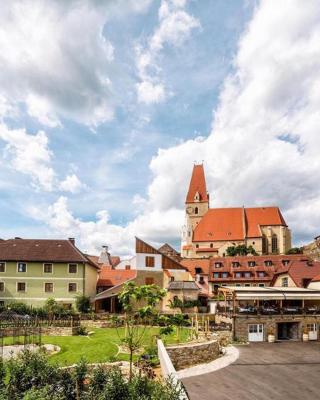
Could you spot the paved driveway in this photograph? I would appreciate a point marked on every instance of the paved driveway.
(264, 371)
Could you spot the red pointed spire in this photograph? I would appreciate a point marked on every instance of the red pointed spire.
(197, 185)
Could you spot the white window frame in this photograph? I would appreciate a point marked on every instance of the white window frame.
(72, 273)
(47, 273)
(22, 262)
(4, 287)
(262, 285)
(21, 291)
(72, 291)
(5, 267)
(44, 287)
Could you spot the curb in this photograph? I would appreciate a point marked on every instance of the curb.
(230, 356)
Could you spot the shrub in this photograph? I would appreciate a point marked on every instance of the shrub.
(83, 303)
(82, 331)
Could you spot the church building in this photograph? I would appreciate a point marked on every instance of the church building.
(209, 231)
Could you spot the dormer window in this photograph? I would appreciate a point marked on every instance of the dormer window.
(235, 264)
(198, 270)
(197, 196)
(268, 263)
(217, 264)
(251, 263)
(285, 262)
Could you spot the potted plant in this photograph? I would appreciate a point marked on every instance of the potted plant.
(305, 335)
(271, 335)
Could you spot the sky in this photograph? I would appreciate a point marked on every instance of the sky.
(106, 104)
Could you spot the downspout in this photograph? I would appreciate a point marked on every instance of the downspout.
(84, 279)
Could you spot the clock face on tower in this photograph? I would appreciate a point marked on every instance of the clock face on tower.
(189, 210)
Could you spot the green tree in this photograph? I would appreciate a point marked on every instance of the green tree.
(83, 303)
(139, 304)
(240, 250)
(295, 250)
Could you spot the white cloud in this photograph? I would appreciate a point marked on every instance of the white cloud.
(175, 27)
(55, 59)
(264, 145)
(149, 92)
(30, 155)
(71, 184)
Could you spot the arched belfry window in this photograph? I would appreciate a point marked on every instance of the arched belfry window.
(196, 210)
(274, 244)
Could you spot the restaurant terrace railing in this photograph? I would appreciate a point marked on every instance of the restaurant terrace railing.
(269, 310)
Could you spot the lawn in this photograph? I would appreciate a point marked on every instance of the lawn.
(101, 346)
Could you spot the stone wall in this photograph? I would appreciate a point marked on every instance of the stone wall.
(224, 337)
(270, 323)
(58, 331)
(187, 355)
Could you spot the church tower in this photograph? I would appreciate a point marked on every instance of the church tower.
(196, 205)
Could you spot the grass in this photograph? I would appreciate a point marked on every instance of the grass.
(101, 346)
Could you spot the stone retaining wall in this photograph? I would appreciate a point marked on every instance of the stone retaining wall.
(224, 337)
(58, 331)
(184, 356)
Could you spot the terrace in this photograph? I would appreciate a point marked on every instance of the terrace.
(239, 301)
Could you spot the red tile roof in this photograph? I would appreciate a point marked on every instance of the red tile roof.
(42, 250)
(262, 216)
(197, 184)
(192, 263)
(302, 271)
(221, 224)
(113, 277)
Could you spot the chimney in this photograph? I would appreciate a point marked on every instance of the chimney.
(105, 256)
(72, 241)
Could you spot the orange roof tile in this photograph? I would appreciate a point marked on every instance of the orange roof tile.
(192, 263)
(220, 224)
(235, 223)
(261, 216)
(113, 277)
(197, 184)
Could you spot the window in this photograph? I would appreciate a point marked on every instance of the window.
(198, 270)
(268, 263)
(47, 268)
(284, 282)
(22, 267)
(264, 245)
(238, 274)
(285, 262)
(216, 274)
(171, 278)
(21, 287)
(149, 261)
(201, 280)
(235, 264)
(251, 263)
(261, 274)
(48, 287)
(2, 267)
(261, 285)
(72, 287)
(197, 246)
(218, 265)
(224, 274)
(73, 268)
(1, 286)
(127, 267)
(149, 281)
(247, 274)
(247, 284)
(1, 304)
(238, 284)
(196, 211)
(274, 244)
(211, 245)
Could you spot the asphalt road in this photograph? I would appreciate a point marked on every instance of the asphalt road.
(263, 371)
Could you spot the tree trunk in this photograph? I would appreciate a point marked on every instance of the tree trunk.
(131, 362)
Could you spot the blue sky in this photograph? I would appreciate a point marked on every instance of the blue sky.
(127, 95)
